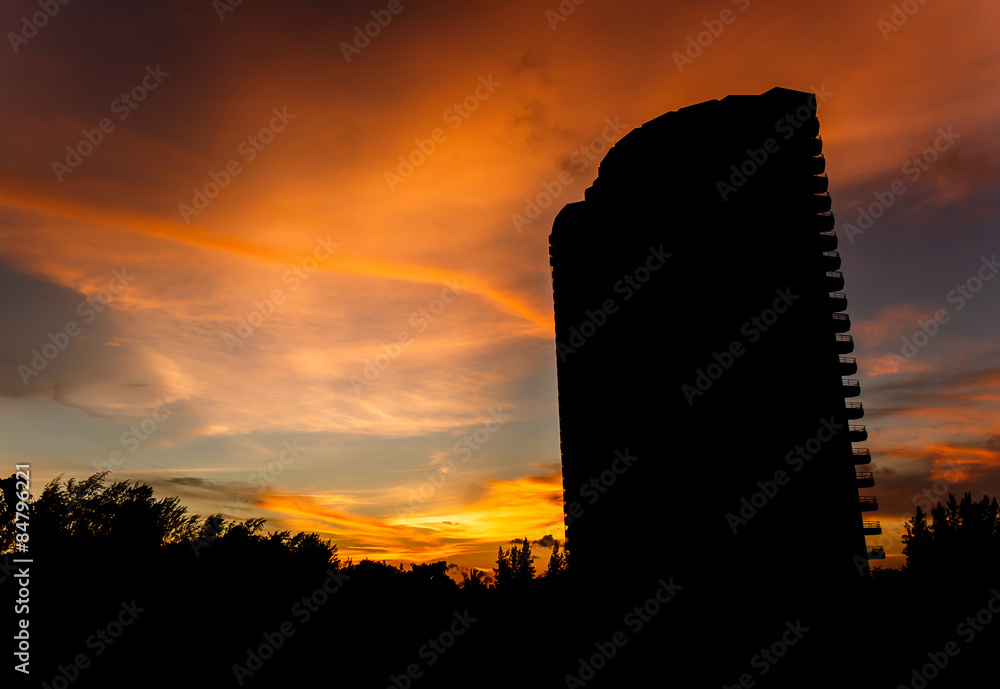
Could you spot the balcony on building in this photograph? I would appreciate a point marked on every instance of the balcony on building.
(834, 281)
(831, 260)
(868, 503)
(847, 365)
(862, 455)
(841, 322)
(828, 240)
(837, 301)
(853, 410)
(815, 166)
(857, 433)
(813, 147)
(818, 184)
(850, 386)
(845, 344)
(871, 528)
(820, 203)
(811, 127)
(864, 479)
(823, 222)
(876, 552)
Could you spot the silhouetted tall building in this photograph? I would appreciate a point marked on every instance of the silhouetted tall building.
(700, 330)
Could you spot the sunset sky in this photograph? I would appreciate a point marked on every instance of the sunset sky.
(291, 257)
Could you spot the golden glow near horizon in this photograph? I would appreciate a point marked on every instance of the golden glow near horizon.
(347, 248)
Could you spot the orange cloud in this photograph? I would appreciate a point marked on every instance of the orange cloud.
(889, 325)
(502, 510)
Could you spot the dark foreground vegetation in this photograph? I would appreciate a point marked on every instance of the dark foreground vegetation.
(126, 590)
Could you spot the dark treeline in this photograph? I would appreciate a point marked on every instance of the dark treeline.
(130, 590)
(962, 535)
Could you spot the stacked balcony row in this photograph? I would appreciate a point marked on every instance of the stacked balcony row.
(847, 366)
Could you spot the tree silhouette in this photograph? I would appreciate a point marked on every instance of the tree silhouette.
(434, 574)
(557, 563)
(125, 517)
(918, 540)
(503, 574)
(526, 567)
(119, 515)
(514, 566)
(963, 535)
(474, 580)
